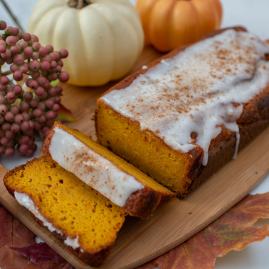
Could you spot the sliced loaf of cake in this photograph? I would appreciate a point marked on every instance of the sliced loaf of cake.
(117, 180)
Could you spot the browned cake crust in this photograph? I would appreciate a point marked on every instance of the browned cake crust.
(254, 119)
(93, 259)
(141, 203)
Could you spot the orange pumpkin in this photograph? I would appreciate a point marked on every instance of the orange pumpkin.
(169, 24)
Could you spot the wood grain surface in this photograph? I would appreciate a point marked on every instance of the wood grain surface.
(140, 241)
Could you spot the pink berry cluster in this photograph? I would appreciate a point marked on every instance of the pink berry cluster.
(22, 112)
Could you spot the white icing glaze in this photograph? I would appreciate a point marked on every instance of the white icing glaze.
(92, 168)
(24, 200)
(164, 62)
(197, 90)
(38, 240)
(144, 67)
(72, 242)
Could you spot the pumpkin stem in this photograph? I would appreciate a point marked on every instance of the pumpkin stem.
(79, 4)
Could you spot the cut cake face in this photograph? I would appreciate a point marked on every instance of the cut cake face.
(82, 218)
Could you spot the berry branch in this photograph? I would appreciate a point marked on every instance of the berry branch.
(23, 111)
(11, 14)
(6, 73)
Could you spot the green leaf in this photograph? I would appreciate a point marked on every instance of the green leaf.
(54, 83)
(65, 115)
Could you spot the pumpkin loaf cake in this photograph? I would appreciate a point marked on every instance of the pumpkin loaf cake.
(185, 115)
(82, 218)
(105, 172)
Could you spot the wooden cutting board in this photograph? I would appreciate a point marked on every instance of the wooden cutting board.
(139, 241)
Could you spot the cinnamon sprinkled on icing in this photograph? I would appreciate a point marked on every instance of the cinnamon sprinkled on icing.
(92, 168)
(197, 91)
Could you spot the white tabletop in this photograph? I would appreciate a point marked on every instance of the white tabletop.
(252, 14)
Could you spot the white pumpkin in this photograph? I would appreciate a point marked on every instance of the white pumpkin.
(104, 38)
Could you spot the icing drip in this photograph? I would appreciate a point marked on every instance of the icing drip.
(24, 200)
(28, 203)
(92, 168)
(72, 242)
(200, 90)
(38, 240)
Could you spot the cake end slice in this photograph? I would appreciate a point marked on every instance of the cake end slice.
(85, 221)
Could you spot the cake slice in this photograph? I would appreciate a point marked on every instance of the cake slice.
(105, 172)
(185, 115)
(82, 218)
